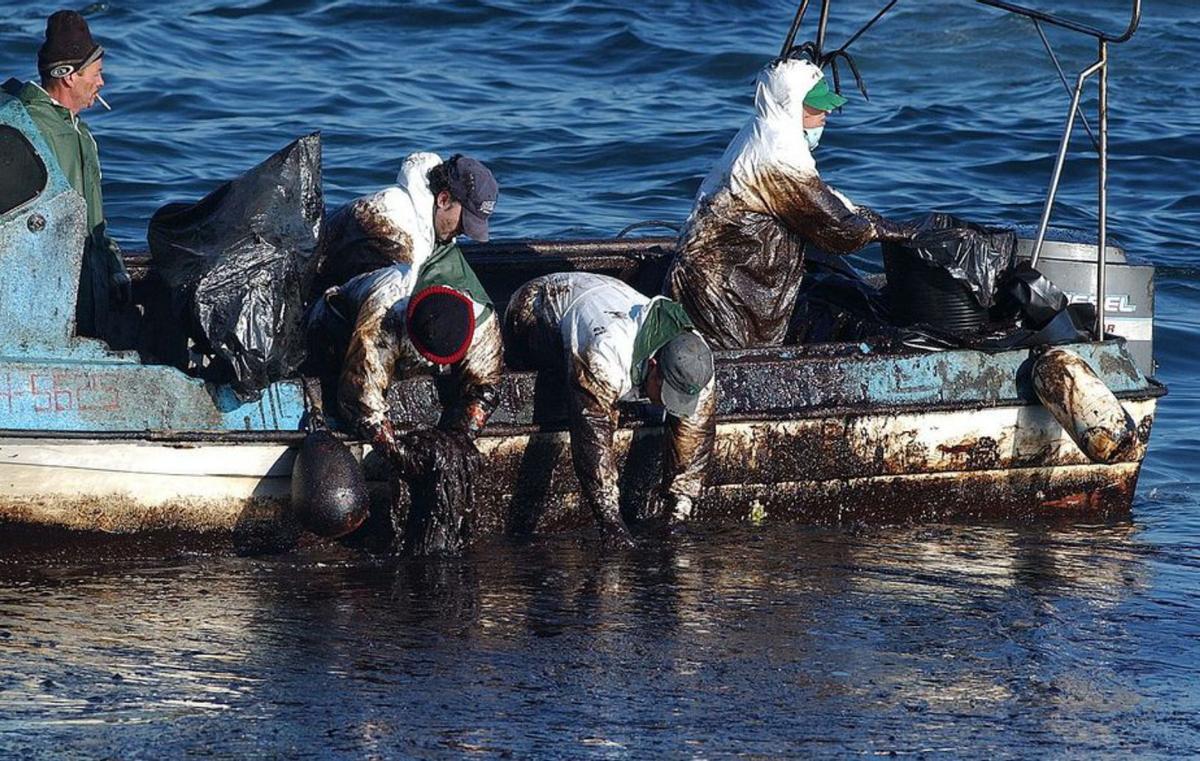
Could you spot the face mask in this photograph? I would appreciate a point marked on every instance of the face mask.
(813, 137)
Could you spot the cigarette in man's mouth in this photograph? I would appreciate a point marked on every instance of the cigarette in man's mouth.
(103, 102)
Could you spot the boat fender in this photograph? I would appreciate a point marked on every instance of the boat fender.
(1085, 407)
(329, 491)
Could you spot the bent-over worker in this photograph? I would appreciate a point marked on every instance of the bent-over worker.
(616, 345)
(395, 323)
(740, 255)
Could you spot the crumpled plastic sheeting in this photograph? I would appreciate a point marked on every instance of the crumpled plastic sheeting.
(975, 255)
(239, 262)
(834, 307)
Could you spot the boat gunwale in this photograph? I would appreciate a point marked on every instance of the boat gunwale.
(1153, 391)
(521, 250)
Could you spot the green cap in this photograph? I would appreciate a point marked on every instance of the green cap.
(822, 98)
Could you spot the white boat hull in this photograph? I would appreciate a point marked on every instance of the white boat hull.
(808, 469)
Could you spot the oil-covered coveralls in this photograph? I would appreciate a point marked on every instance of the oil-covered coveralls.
(740, 254)
(600, 332)
(394, 225)
(360, 327)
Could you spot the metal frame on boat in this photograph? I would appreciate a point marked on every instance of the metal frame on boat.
(91, 439)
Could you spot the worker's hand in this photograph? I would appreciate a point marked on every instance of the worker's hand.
(887, 230)
(666, 506)
(470, 415)
(614, 535)
(680, 507)
(895, 232)
(122, 288)
(384, 440)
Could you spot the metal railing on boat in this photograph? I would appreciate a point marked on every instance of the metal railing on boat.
(1103, 39)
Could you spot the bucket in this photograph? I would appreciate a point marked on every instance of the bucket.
(918, 292)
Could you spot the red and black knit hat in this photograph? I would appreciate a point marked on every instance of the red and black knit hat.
(68, 47)
(441, 324)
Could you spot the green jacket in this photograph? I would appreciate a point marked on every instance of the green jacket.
(77, 154)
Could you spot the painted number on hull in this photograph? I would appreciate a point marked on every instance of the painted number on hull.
(54, 393)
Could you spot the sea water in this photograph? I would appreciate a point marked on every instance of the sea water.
(757, 641)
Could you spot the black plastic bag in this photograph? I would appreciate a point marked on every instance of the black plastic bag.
(1029, 294)
(1071, 324)
(972, 254)
(835, 307)
(238, 263)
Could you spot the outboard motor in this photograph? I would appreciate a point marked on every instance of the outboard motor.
(1068, 260)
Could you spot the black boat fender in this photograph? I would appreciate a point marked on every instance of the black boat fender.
(329, 489)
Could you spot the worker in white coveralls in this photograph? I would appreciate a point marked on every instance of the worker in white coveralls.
(411, 222)
(616, 345)
(740, 255)
(404, 301)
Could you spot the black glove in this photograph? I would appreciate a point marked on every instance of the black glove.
(887, 230)
(471, 414)
(122, 288)
(614, 535)
(384, 440)
(668, 507)
(681, 507)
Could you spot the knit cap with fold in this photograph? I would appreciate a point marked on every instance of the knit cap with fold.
(69, 46)
(441, 324)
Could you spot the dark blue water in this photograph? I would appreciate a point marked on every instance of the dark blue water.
(762, 642)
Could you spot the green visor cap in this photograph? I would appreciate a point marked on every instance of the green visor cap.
(822, 98)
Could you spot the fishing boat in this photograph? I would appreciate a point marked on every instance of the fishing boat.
(93, 439)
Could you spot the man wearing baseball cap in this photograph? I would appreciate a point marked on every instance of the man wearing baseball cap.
(71, 66)
(414, 222)
(472, 192)
(616, 346)
(740, 256)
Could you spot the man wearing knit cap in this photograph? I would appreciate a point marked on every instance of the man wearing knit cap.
(381, 254)
(71, 66)
(396, 323)
(616, 345)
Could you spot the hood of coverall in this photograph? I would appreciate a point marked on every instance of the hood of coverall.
(775, 134)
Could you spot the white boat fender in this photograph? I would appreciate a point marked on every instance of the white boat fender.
(1084, 406)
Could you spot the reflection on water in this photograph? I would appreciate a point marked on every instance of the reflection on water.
(1001, 640)
(755, 641)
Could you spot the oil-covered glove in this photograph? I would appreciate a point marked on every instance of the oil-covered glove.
(672, 508)
(122, 288)
(396, 447)
(471, 414)
(887, 230)
(680, 507)
(614, 535)
(383, 438)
